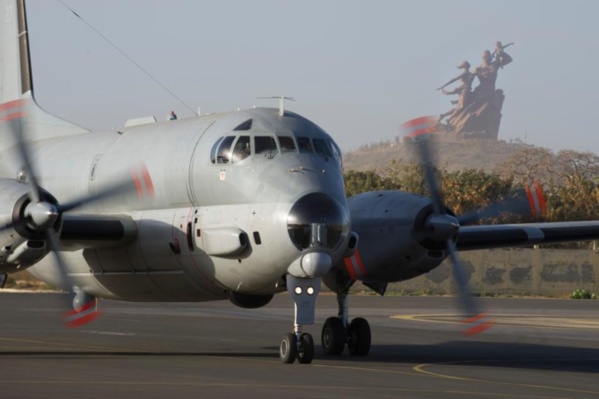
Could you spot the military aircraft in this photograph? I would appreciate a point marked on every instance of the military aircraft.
(235, 206)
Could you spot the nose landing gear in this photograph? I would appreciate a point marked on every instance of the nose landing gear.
(299, 345)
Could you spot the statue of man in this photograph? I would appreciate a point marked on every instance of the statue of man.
(487, 71)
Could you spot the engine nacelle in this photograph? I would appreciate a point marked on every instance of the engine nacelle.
(395, 238)
(249, 301)
(20, 245)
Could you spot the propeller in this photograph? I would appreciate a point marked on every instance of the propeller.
(443, 227)
(42, 215)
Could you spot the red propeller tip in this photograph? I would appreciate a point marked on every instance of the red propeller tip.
(477, 324)
(82, 315)
(536, 199)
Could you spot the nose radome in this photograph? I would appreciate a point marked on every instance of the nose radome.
(316, 220)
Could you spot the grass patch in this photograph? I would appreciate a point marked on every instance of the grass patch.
(582, 294)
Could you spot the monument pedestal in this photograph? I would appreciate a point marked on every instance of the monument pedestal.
(479, 119)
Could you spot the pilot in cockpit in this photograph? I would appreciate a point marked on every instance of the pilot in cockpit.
(242, 149)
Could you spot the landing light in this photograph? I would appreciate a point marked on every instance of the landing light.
(298, 290)
(310, 290)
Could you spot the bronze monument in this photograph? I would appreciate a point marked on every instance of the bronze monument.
(477, 112)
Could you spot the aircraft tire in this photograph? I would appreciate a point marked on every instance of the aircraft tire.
(288, 348)
(358, 337)
(305, 353)
(333, 337)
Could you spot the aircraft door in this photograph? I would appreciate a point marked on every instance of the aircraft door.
(196, 264)
(180, 182)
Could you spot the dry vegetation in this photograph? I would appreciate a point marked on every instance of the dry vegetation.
(450, 155)
(25, 281)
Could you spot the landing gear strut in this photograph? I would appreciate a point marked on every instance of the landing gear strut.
(338, 331)
(299, 345)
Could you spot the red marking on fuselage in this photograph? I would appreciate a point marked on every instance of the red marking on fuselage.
(350, 268)
(360, 264)
(11, 104)
(355, 267)
(138, 186)
(14, 115)
(147, 180)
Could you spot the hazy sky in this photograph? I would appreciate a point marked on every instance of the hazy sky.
(357, 68)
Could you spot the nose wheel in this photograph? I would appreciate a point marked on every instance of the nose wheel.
(293, 348)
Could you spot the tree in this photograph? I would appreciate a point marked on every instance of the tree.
(408, 176)
(472, 189)
(361, 181)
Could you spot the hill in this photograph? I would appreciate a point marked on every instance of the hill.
(449, 154)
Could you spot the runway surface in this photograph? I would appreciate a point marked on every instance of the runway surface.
(537, 349)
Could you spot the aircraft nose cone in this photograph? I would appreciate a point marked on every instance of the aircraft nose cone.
(316, 220)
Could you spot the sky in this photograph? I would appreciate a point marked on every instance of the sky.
(357, 68)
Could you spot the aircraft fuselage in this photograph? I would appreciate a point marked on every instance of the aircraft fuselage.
(209, 220)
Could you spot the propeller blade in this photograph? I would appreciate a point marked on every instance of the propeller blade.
(424, 153)
(41, 215)
(82, 313)
(529, 202)
(65, 281)
(476, 320)
(125, 186)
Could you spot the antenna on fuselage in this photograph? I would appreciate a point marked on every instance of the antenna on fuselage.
(281, 102)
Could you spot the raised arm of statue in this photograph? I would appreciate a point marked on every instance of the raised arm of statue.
(450, 82)
(466, 77)
(501, 57)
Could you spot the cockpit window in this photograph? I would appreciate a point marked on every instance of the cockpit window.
(287, 144)
(304, 144)
(242, 148)
(223, 154)
(247, 125)
(214, 148)
(266, 145)
(336, 152)
(322, 148)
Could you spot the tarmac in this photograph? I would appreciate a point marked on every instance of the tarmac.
(538, 348)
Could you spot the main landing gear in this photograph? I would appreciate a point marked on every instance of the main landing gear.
(299, 345)
(338, 332)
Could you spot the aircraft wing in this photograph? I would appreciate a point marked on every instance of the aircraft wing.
(510, 235)
(96, 231)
